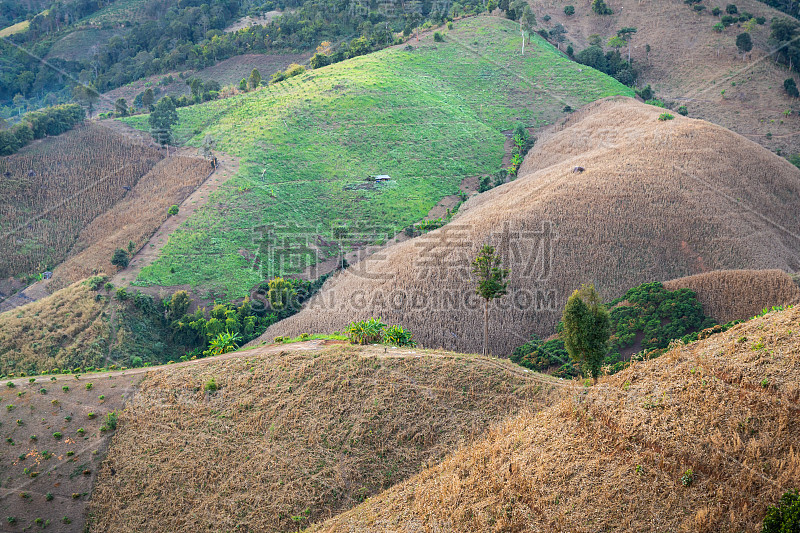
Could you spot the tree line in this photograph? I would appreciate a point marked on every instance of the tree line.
(38, 124)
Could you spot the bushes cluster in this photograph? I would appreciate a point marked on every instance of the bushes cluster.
(38, 124)
(647, 319)
(611, 63)
(374, 331)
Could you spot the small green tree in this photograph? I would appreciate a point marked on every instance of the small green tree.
(120, 258)
(254, 81)
(600, 8)
(790, 87)
(744, 43)
(161, 120)
(280, 293)
(121, 107)
(586, 330)
(179, 305)
(148, 98)
(488, 269)
(731, 9)
(569, 10)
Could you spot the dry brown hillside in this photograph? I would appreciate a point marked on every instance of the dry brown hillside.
(657, 200)
(291, 438)
(739, 294)
(691, 65)
(613, 457)
(133, 219)
(53, 188)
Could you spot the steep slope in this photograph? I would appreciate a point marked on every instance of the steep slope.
(308, 144)
(290, 438)
(657, 200)
(739, 294)
(52, 189)
(691, 64)
(616, 456)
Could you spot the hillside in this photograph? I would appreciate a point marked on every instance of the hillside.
(692, 65)
(133, 219)
(53, 188)
(291, 437)
(657, 200)
(308, 144)
(739, 294)
(615, 456)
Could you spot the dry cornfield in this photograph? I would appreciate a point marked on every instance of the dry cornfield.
(657, 200)
(613, 457)
(290, 438)
(739, 294)
(51, 190)
(132, 219)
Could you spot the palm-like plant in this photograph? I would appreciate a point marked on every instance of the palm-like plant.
(224, 343)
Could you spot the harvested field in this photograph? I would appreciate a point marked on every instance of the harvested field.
(657, 200)
(739, 294)
(133, 219)
(291, 437)
(51, 190)
(613, 457)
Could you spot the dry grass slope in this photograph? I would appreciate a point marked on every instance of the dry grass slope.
(739, 294)
(691, 64)
(58, 331)
(612, 457)
(133, 219)
(657, 201)
(52, 189)
(291, 437)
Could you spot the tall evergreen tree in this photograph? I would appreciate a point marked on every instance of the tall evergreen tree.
(586, 330)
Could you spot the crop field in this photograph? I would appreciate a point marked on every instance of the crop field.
(56, 432)
(657, 200)
(132, 219)
(52, 189)
(117, 12)
(287, 438)
(429, 116)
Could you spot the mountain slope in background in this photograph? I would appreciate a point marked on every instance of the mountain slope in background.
(691, 64)
(656, 200)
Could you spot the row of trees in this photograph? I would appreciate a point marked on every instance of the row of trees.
(38, 124)
(611, 62)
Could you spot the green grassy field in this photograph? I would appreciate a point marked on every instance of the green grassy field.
(429, 117)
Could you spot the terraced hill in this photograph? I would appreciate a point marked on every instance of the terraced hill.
(701, 439)
(656, 200)
(429, 115)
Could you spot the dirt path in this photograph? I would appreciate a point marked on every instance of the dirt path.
(227, 167)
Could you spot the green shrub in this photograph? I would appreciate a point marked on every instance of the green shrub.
(600, 8)
(65, 388)
(569, 10)
(57, 435)
(89, 386)
(785, 517)
(111, 422)
(10, 385)
(438, 37)
(665, 116)
(397, 336)
(211, 386)
(173, 210)
(365, 331)
(120, 258)
(304, 336)
(687, 478)
(682, 110)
